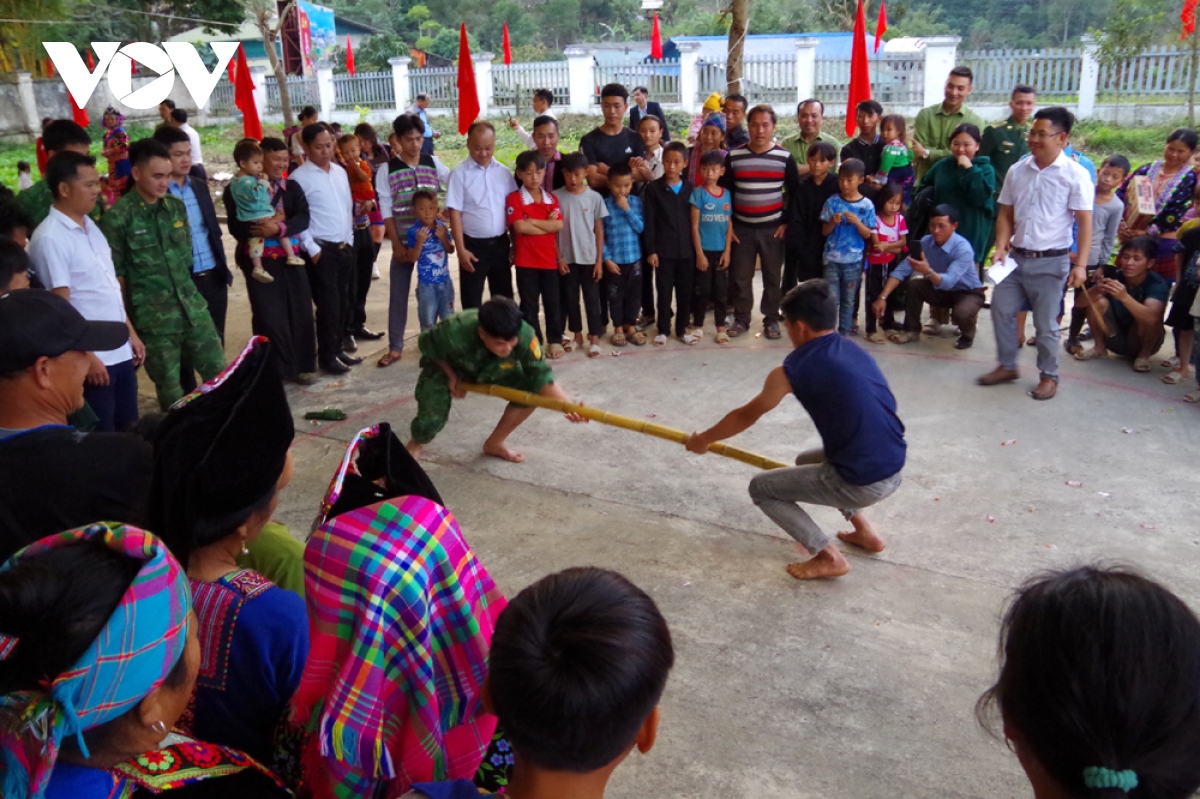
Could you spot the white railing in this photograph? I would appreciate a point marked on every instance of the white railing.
(366, 89)
(661, 78)
(1161, 74)
(897, 79)
(765, 79)
(516, 83)
(440, 83)
(1053, 72)
(302, 91)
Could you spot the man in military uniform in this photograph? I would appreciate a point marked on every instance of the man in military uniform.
(59, 136)
(491, 344)
(152, 253)
(1005, 142)
(935, 123)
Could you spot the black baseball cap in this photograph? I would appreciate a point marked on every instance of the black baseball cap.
(36, 324)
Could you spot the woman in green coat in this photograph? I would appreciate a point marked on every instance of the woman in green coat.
(966, 181)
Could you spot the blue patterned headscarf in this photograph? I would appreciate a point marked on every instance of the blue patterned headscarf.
(138, 647)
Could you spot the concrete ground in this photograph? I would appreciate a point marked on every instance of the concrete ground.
(860, 687)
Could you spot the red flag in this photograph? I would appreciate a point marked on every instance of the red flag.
(232, 72)
(468, 94)
(1189, 18)
(655, 40)
(49, 68)
(507, 48)
(349, 56)
(243, 98)
(860, 69)
(80, 115)
(91, 61)
(881, 25)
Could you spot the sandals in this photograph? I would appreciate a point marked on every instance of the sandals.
(660, 340)
(722, 337)
(1174, 378)
(618, 339)
(737, 329)
(1170, 363)
(594, 351)
(388, 359)
(1089, 355)
(568, 345)
(930, 329)
(1031, 341)
(555, 351)
(639, 339)
(904, 337)
(876, 337)
(1193, 398)
(1141, 365)
(693, 336)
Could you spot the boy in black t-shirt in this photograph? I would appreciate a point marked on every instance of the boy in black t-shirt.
(612, 143)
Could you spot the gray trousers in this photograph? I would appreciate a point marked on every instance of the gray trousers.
(755, 245)
(400, 279)
(1041, 282)
(776, 492)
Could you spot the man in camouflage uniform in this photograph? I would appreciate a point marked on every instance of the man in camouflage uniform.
(59, 136)
(491, 344)
(1005, 142)
(152, 253)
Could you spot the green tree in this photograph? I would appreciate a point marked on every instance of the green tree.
(373, 54)
(922, 19)
(445, 44)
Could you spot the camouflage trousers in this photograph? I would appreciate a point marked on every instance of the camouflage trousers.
(164, 350)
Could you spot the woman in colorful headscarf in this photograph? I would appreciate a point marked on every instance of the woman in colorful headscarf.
(402, 616)
(221, 457)
(711, 137)
(98, 655)
(712, 105)
(116, 150)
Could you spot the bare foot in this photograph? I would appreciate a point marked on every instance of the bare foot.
(414, 449)
(863, 535)
(504, 453)
(828, 563)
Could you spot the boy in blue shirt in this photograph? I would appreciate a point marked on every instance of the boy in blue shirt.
(623, 255)
(849, 223)
(429, 247)
(712, 238)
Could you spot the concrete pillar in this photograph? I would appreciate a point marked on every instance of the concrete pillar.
(400, 81)
(806, 69)
(940, 55)
(1089, 78)
(325, 88)
(259, 76)
(25, 96)
(483, 80)
(689, 75)
(581, 78)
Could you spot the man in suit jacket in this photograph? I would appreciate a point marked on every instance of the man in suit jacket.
(283, 310)
(643, 106)
(210, 272)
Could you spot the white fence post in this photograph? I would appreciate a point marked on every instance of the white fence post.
(941, 53)
(1089, 78)
(400, 81)
(483, 81)
(581, 78)
(806, 69)
(259, 76)
(325, 89)
(689, 74)
(28, 102)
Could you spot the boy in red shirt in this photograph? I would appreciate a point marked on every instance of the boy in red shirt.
(534, 220)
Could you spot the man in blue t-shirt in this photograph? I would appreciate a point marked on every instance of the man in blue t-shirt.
(862, 438)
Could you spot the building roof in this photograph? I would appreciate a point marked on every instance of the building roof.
(249, 32)
(715, 48)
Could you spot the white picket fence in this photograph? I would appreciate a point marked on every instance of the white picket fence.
(1053, 72)
(514, 85)
(660, 77)
(366, 89)
(765, 79)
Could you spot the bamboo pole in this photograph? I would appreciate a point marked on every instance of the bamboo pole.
(615, 420)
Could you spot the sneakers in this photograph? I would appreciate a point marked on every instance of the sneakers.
(262, 276)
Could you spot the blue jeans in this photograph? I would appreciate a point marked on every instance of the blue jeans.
(434, 301)
(117, 403)
(843, 278)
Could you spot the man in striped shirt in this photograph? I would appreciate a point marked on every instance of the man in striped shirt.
(757, 174)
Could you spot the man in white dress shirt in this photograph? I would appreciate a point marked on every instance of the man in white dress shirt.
(478, 190)
(331, 224)
(72, 258)
(1043, 199)
(179, 119)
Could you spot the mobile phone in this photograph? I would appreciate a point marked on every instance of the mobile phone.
(914, 250)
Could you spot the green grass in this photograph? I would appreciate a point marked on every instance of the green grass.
(1098, 140)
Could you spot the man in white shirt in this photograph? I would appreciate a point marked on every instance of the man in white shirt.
(543, 99)
(331, 223)
(72, 258)
(179, 119)
(1045, 196)
(479, 188)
